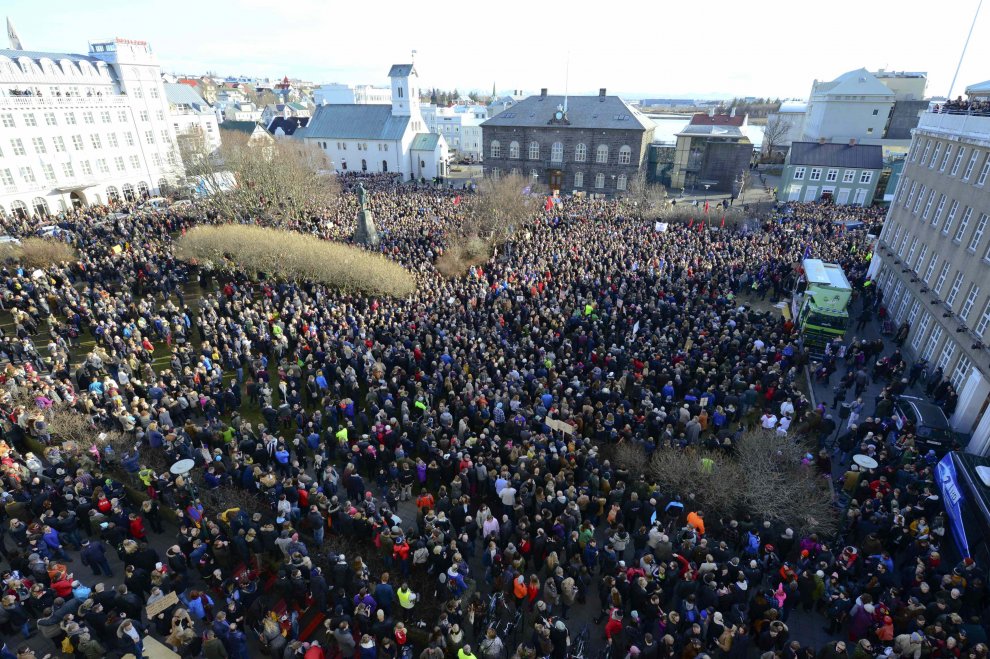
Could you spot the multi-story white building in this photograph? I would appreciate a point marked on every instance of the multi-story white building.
(339, 94)
(460, 126)
(933, 259)
(191, 116)
(854, 106)
(87, 129)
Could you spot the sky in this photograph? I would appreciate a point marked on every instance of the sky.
(636, 48)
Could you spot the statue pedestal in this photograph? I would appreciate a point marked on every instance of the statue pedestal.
(366, 233)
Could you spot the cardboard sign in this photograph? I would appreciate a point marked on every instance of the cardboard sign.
(561, 426)
(160, 605)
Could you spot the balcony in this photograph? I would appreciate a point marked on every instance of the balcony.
(974, 127)
(63, 101)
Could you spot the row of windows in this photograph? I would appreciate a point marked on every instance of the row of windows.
(26, 174)
(848, 175)
(40, 145)
(361, 146)
(922, 197)
(937, 153)
(621, 181)
(557, 152)
(904, 306)
(32, 119)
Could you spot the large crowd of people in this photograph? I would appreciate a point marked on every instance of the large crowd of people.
(379, 478)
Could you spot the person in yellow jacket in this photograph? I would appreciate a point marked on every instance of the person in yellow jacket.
(465, 653)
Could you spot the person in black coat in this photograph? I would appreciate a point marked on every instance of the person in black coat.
(318, 589)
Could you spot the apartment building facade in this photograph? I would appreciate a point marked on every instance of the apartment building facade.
(933, 260)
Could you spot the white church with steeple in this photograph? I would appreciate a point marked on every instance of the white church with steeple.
(380, 138)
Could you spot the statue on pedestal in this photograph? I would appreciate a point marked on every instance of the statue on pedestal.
(366, 233)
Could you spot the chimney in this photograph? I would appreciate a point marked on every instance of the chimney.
(821, 140)
(601, 95)
(852, 142)
(543, 92)
(732, 112)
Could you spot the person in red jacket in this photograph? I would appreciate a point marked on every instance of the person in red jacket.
(63, 586)
(400, 553)
(136, 525)
(613, 627)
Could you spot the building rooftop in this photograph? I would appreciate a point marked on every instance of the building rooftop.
(859, 156)
(182, 94)
(425, 142)
(55, 57)
(288, 125)
(360, 122)
(702, 119)
(797, 107)
(854, 83)
(582, 112)
(401, 70)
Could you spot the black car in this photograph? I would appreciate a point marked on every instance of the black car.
(928, 423)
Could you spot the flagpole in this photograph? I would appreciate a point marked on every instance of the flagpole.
(963, 53)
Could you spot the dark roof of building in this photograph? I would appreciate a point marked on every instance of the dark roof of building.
(247, 127)
(356, 122)
(860, 156)
(582, 112)
(401, 70)
(55, 57)
(702, 119)
(288, 125)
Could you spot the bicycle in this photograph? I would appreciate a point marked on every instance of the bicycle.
(580, 643)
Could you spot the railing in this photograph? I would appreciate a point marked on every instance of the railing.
(972, 126)
(975, 110)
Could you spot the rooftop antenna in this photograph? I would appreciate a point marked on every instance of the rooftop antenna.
(15, 40)
(567, 75)
(414, 55)
(963, 53)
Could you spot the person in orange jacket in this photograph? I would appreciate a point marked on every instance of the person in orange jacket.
(696, 519)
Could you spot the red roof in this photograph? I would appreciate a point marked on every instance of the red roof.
(702, 119)
(192, 82)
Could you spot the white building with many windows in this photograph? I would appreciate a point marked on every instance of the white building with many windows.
(191, 116)
(77, 129)
(933, 259)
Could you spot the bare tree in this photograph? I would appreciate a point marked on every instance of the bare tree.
(252, 177)
(774, 133)
(708, 480)
(499, 209)
(645, 200)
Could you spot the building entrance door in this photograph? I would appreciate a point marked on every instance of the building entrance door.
(556, 179)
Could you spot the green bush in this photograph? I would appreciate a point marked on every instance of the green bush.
(288, 255)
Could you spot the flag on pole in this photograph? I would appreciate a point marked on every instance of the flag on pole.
(691, 223)
(549, 204)
(706, 206)
(15, 41)
(723, 222)
(457, 200)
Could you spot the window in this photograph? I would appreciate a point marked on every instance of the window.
(914, 150)
(620, 182)
(95, 139)
(876, 111)
(961, 372)
(77, 142)
(945, 158)
(981, 226)
(39, 145)
(938, 149)
(961, 231)
(601, 154)
(900, 250)
(129, 138)
(938, 211)
(105, 117)
(67, 169)
(70, 118)
(143, 115)
(625, 157)
(952, 216)
(29, 119)
(921, 198)
(88, 118)
(910, 256)
(967, 307)
(849, 176)
(557, 152)
(866, 177)
(399, 90)
(816, 174)
(8, 120)
(122, 116)
(948, 350)
(112, 140)
(832, 175)
(156, 159)
(921, 257)
(27, 174)
(928, 147)
(931, 268)
(799, 173)
(985, 171)
(599, 180)
(149, 136)
(928, 205)
(869, 131)
(913, 313)
(119, 162)
(921, 331)
(941, 278)
(971, 165)
(87, 169)
(101, 164)
(534, 150)
(981, 326)
(495, 150)
(514, 149)
(18, 147)
(954, 289)
(955, 163)
(907, 203)
(135, 162)
(578, 179)
(932, 342)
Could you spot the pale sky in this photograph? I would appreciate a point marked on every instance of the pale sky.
(634, 47)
